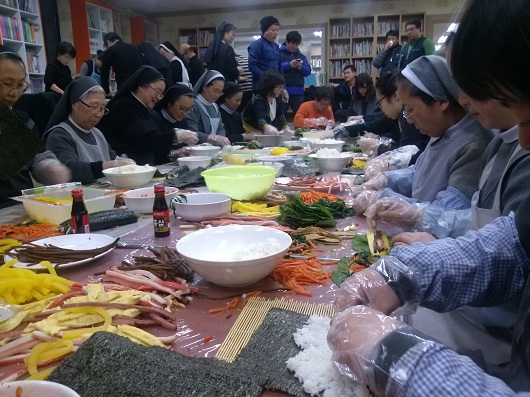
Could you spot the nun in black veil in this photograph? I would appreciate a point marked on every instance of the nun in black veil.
(131, 127)
(220, 55)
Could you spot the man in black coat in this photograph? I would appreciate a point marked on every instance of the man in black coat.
(124, 59)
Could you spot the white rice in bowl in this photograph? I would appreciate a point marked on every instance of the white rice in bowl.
(328, 153)
(314, 367)
(132, 169)
(325, 141)
(252, 251)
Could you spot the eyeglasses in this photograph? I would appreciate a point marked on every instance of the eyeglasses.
(216, 91)
(159, 95)
(182, 109)
(20, 88)
(96, 109)
(406, 113)
(378, 103)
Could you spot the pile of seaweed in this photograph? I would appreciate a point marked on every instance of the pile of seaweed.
(110, 365)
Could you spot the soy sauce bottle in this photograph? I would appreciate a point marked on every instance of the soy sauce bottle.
(79, 213)
(161, 213)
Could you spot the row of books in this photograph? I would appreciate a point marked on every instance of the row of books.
(9, 28)
(27, 6)
(37, 84)
(363, 66)
(340, 30)
(362, 48)
(189, 39)
(8, 3)
(363, 29)
(384, 27)
(29, 27)
(33, 62)
(205, 36)
(95, 23)
(339, 50)
(336, 68)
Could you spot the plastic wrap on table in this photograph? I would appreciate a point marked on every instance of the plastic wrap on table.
(181, 176)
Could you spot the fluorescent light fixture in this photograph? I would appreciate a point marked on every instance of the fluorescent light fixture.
(442, 39)
(318, 33)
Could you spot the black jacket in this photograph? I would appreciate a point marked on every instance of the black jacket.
(233, 125)
(124, 58)
(225, 63)
(342, 96)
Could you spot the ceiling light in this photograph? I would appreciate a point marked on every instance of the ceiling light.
(318, 33)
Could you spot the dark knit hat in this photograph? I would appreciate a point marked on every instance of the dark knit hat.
(266, 22)
(230, 89)
(166, 45)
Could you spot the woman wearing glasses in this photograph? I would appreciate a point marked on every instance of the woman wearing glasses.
(205, 116)
(20, 149)
(71, 134)
(450, 163)
(131, 126)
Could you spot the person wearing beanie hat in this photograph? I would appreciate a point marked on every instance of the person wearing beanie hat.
(451, 161)
(179, 72)
(264, 53)
(131, 127)
(20, 149)
(220, 54)
(228, 103)
(71, 134)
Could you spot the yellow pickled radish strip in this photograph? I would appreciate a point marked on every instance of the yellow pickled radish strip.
(77, 333)
(41, 375)
(47, 351)
(8, 243)
(49, 266)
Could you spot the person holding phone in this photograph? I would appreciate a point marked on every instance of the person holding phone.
(295, 67)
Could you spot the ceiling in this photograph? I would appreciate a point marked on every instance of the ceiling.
(157, 8)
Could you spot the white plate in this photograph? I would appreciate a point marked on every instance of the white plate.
(281, 183)
(74, 242)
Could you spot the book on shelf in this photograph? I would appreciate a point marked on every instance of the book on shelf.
(37, 84)
(27, 6)
(342, 30)
(363, 29)
(29, 27)
(92, 22)
(362, 48)
(9, 28)
(183, 40)
(384, 27)
(8, 3)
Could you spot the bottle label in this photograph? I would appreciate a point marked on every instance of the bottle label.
(161, 222)
(80, 224)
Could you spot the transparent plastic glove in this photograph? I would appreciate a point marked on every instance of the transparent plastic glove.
(377, 183)
(118, 162)
(377, 165)
(364, 200)
(249, 136)
(190, 138)
(409, 238)
(394, 211)
(368, 288)
(218, 140)
(271, 130)
(369, 145)
(51, 172)
(327, 134)
(355, 336)
(355, 118)
(178, 153)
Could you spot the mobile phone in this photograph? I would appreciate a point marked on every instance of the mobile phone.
(299, 60)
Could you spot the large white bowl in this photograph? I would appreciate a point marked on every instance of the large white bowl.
(327, 144)
(193, 162)
(142, 200)
(204, 250)
(331, 164)
(35, 388)
(129, 180)
(210, 151)
(199, 206)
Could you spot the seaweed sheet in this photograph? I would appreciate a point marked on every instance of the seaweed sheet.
(110, 365)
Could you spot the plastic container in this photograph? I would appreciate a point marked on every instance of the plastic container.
(42, 211)
(240, 182)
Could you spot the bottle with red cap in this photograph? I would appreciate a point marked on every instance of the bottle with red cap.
(161, 213)
(79, 213)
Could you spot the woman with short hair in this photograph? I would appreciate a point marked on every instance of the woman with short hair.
(229, 103)
(58, 75)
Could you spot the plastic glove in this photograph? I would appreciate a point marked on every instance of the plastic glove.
(377, 183)
(376, 166)
(364, 200)
(394, 211)
(409, 238)
(51, 172)
(271, 130)
(182, 152)
(327, 134)
(249, 136)
(355, 338)
(190, 138)
(354, 118)
(218, 140)
(369, 145)
(369, 288)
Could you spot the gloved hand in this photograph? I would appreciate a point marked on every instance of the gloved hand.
(327, 134)
(364, 200)
(249, 136)
(369, 145)
(182, 152)
(118, 162)
(218, 140)
(377, 183)
(52, 172)
(409, 238)
(369, 288)
(188, 137)
(353, 118)
(377, 165)
(355, 336)
(271, 130)
(394, 211)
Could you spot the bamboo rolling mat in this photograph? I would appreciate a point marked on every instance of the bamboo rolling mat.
(253, 315)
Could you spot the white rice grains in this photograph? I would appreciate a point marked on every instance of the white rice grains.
(313, 366)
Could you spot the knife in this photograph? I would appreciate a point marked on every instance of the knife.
(122, 244)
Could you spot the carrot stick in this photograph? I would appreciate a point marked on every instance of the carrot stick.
(207, 339)
(217, 310)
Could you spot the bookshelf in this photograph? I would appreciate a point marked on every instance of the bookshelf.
(356, 40)
(144, 29)
(90, 20)
(21, 30)
(198, 39)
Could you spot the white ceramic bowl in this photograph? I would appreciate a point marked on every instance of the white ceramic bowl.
(35, 388)
(209, 151)
(205, 249)
(129, 180)
(200, 206)
(142, 200)
(327, 144)
(331, 164)
(193, 162)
